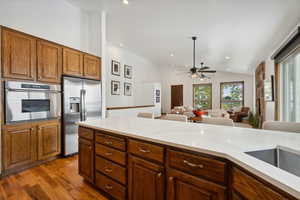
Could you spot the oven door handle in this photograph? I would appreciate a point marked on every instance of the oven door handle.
(44, 91)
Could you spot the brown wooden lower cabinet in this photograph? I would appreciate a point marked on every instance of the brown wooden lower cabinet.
(19, 146)
(26, 144)
(146, 180)
(181, 186)
(49, 140)
(86, 159)
(160, 172)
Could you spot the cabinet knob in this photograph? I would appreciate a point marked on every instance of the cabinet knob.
(159, 175)
(171, 178)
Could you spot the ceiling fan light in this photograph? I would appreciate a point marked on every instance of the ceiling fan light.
(194, 75)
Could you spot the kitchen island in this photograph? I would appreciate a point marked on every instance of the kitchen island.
(135, 158)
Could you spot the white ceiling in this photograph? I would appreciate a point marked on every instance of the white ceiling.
(247, 31)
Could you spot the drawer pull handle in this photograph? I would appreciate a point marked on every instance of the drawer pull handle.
(144, 150)
(107, 170)
(108, 142)
(108, 187)
(108, 153)
(192, 164)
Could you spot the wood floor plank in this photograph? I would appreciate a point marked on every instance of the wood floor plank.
(55, 180)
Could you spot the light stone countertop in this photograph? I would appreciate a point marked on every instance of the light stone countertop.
(222, 141)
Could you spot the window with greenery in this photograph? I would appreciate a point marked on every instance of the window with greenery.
(202, 96)
(232, 95)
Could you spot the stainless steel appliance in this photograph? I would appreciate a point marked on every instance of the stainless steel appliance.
(81, 102)
(27, 101)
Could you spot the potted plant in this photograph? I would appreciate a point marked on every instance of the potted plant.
(254, 120)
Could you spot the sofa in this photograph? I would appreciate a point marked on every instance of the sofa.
(188, 111)
(218, 113)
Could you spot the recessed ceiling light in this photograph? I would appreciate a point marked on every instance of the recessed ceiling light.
(227, 57)
(172, 54)
(126, 2)
(121, 44)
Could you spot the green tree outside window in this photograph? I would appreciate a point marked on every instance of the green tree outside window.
(232, 95)
(202, 96)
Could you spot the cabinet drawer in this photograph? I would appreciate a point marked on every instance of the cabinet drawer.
(86, 133)
(197, 165)
(146, 150)
(113, 188)
(115, 142)
(111, 154)
(111, 169)
(251, 188)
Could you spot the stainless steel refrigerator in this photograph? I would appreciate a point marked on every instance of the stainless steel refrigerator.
(81, 102)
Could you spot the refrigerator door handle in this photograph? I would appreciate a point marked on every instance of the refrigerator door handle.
(81, 105)
(84, 104)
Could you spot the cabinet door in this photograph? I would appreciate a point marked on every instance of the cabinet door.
(92, 67)
(49, 61)
(72, 62)
(86, 159)
(19, 55)
(49, 140)
(146, 180)
(19, 146)
(181, 186)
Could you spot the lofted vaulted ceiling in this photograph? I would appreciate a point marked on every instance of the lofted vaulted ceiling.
(246, 31)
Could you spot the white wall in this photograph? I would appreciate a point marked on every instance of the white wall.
(170, 77)
(145, 74)
(54, 20)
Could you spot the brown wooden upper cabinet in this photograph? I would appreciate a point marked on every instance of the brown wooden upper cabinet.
(49, 140)
(19, 55)
(19, 146)
(49, 62)
(72, 62)
(92, 67)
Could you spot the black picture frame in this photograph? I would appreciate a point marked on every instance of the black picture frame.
(115, 68)
(128, 71)
(126, 91)
(113, 84)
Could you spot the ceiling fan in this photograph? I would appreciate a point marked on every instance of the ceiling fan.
(199, 72)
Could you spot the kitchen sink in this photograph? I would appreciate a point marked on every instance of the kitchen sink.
(281, 157)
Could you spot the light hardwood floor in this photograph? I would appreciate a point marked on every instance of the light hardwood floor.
(56, 180)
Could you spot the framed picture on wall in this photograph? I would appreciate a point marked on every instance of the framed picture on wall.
(269, 89)
(115, 87)
(128, 71)
(127, 89)
(115, 68)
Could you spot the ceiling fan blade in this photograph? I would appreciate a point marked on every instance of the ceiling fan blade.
(208, 71)
(204, 68)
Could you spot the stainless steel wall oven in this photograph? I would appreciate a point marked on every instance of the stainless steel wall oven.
(31, 101)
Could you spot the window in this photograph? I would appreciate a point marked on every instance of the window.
(291, 88)
(232, 95)
(202, 96)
